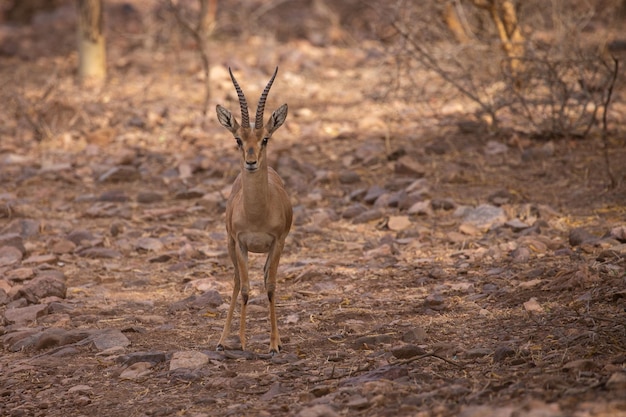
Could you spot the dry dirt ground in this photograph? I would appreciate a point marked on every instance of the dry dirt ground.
(430, 271)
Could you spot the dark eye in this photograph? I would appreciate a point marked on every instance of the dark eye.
(264, 141)
(239, 142)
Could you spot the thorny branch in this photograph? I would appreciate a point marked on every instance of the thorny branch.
(200, 34)
(605, 139)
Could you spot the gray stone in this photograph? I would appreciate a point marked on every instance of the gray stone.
(353, 210)
(135, 357)
(147, 197)
(407, 351)
(48, 285)
(9, 255)
(80, 237)
(373, 193)
(109, 338)
(13, 239)
(319, 410)
(137, 370)
(485, 216)
(149, 244)
(405, 165)
(100, 253)
(188, 359)
(120, 173)
(25, 315)
(367, 342)
(579, 236)
(368, 216)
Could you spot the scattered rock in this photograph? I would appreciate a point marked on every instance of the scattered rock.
(368, 216)
(135, 357)
(442, 204)
(619, 233)
(373, 193)
(109, 338)
(435, 302)
(521, 254)
(397, 223)
(579, 365)
(149, 244)
(62, 246)
(26, 228)
(137, 370)
(485, 216)
(319, 410)
(477, 353)
(115, 196)
(617, 382)
(120, 173)
(80, 389)
(349, 177)
(367, 342)
(517, 225)
(189, 194)
(579, 236)
(208, 299)
(389, 372)
(614, 253)
(188, 359)
(415, 335)
(503, 352)
(25, 315)
(9, 255)
(13, 239)
(46, 285)
(20, 274)
(533, 306)
(495, 148)
(40, 259)
(407, 351)
(421, 208)
(405, 165)
(501, 197)
(148, 197)
(80, 237)
(100, 253)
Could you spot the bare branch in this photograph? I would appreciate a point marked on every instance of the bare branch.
(605, 139)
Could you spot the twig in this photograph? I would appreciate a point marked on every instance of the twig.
(266, 7)
(428, 355)
(200, 35)
(429, 62)
(605, 139)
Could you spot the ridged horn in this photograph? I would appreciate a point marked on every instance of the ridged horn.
(258, 121)
(245, 118)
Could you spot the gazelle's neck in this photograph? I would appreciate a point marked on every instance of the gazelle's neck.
(255, 187)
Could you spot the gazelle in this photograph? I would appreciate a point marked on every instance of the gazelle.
(258, 211)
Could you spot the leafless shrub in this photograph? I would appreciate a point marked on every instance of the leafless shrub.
(553, 86)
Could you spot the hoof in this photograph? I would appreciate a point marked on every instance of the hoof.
(220, 348)
(275, 352)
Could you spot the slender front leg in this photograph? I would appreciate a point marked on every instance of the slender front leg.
(233, 300)
(271, 269)
(242, 264)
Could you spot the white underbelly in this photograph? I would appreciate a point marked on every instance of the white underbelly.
(257, 242)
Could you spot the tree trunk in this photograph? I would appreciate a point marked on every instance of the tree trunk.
(91, 45)
(453, 22)
(503, 14)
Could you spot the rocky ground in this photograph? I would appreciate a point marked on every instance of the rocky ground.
(433, 269)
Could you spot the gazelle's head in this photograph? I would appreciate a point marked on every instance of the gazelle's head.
(252, 139)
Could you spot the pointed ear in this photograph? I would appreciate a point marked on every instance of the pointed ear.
(226, 119)
(277, 119)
